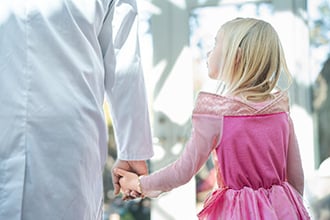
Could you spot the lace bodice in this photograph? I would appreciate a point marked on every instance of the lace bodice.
(209, 103)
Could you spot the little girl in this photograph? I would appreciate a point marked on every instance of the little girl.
(249, 129)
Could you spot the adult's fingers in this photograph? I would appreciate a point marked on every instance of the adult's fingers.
(120, 172)
(115, 183)
(115, 178)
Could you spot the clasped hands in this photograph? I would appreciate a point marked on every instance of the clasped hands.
(125, 178)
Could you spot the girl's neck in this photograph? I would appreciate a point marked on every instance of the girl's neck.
(250, 98)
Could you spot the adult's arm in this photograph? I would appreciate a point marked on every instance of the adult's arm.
(124, 81)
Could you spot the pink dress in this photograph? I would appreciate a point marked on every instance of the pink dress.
(250, 144)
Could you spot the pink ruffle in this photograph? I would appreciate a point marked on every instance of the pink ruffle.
(280, 202)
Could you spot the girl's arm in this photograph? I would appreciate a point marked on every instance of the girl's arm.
(206, 134)
(295, 173)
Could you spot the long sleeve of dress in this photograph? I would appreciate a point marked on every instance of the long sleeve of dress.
(206, 133)
(124, 81)
(295, 173)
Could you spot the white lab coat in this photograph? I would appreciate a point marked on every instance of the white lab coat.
(57, 62)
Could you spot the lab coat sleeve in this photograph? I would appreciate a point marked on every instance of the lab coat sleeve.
(124, 81)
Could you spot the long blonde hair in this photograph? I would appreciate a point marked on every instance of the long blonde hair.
(252, 58)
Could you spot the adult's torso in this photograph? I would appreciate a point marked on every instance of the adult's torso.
(52, 130)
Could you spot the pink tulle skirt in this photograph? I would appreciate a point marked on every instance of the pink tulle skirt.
(280, 202)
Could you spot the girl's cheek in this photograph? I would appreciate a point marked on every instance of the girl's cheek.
(213, 73)
(213, 69)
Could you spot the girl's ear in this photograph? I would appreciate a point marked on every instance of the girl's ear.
(238, 55)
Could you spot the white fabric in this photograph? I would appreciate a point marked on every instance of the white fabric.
(56, 64)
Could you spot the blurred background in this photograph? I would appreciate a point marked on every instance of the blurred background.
(175, 36)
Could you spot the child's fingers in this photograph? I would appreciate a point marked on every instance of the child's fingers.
(135, 194)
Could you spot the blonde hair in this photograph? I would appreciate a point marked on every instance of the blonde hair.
(252, 58)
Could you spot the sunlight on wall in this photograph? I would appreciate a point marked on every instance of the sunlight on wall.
(177, 91)
(4, 11)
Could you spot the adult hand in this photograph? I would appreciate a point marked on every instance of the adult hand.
(129, 183)
(137, 166)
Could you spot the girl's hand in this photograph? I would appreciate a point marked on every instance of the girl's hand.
(128, 181)
(139, 167)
